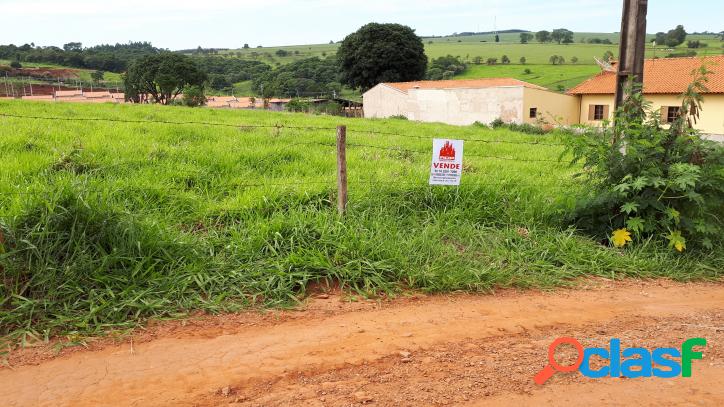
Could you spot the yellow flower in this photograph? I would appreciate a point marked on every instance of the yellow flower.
(621, 237)
(680, 246)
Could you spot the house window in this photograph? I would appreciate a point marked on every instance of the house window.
(598, 112)
(533, 113)
(672, 113)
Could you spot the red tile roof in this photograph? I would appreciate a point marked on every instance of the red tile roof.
(462, 84)
(662, 76)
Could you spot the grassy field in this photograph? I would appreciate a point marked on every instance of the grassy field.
(469, 47)
(105, 224)
(549, 76)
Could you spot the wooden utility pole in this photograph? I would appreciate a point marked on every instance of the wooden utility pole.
(632, 46)
(341, 169)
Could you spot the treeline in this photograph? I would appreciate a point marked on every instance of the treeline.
(112, 58)
(306, 77)
(223, 72)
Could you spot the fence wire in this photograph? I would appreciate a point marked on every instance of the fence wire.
(468, 181)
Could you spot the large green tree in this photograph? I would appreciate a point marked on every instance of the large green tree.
(381, 53)
(543, 36)
(676, 37)
(561, 35)
(163, 76)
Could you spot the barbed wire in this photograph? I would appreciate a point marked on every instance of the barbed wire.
(101, 119)
(400, 149)
(466, 182)
(273, 126)
(467, 140)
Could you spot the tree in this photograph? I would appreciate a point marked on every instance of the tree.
(676, 37)
(445, 67)
(660, 38)
(163, 76)
(492, 61)
(607, 56)
(478, 60)
(505, 60)
(561, 35)
(16, 65)
(194, 96)
(543, 36)
(574, 60)
(523, 60)
(497, 38)
(97, 76)
(557, 60)
(246, 46)
(282, 53)
(73, 46)
(525, 38)
(381, 53)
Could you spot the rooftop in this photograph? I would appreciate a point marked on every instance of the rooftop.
(661, 76)
(462, 84)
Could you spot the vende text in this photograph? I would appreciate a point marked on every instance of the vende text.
(444, 166)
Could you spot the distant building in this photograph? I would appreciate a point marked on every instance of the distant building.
(665, 80)
(464, 102)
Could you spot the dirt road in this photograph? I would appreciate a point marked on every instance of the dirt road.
(439, 350)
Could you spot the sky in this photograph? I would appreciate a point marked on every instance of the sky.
(182, 24)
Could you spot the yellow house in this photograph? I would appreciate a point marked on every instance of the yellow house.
(665, 80)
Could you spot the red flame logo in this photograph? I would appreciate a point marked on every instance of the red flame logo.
(447, 152)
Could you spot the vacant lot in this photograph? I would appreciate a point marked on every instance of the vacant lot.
(156, 211)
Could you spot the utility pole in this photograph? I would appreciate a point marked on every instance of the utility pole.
(632, 47)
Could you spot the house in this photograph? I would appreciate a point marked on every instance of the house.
(464, 102)
(665, 80)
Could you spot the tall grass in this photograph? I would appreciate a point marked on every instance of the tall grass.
(107, 224)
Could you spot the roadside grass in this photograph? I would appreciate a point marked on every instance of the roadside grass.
(107, 224)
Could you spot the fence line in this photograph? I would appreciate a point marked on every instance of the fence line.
(341, 145)
(273, 126)
(398, 149)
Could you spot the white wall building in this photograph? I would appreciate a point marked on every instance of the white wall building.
(464, 102)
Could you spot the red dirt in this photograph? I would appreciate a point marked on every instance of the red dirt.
(55, 73)
(440, 350)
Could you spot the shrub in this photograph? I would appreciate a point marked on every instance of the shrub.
(505, 60)
(298, 105)
(16, 65)
(648, 181)
(399, 117)
(522, 60)
(194, 96)
(527, 71)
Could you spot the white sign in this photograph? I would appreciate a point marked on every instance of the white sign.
(447, 162)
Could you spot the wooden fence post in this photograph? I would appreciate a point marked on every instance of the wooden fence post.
(341, 169)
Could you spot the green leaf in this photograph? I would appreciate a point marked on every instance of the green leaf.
(630, 207)
(706, 242)
(677, 241)
(636, 225)
(640, 183)
(622, 188)
(673, 214)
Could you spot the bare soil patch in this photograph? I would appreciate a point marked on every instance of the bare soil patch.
(437, 350)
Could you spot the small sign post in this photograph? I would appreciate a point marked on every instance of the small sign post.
(447, 162)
